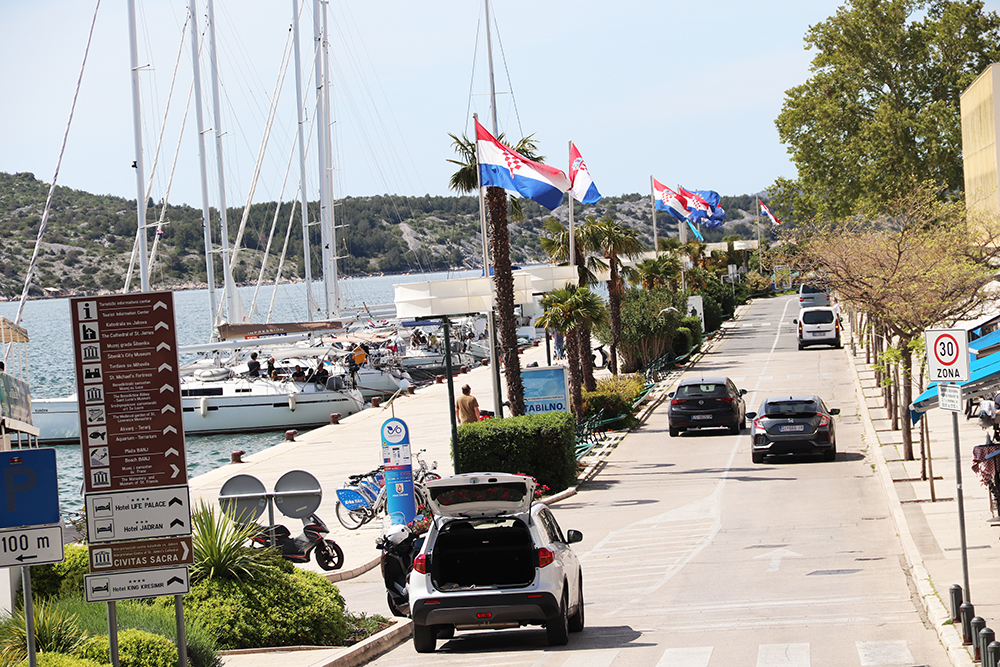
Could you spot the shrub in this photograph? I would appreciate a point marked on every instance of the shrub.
(141, 615)
(682, 341)
(219, 550)
(647, 331)
(713, 313)
(62, 660)
(55, 630)
(758, 284)
(541, 446)
(136, 648)
(274, 609)
(64, 578)
(615, 396)
(693, 324)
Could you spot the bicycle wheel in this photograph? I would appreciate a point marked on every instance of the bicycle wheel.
(350, 519)
(420, 499)
(428, 477)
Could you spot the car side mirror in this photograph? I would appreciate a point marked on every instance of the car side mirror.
(573, 536)
(751, 415)
(671, 394)
(834, 411)
(794, 321)
(743, 392)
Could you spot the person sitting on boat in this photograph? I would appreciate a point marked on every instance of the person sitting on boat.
(299, 375)
(271, 371)
(253, 366)
(321, 375)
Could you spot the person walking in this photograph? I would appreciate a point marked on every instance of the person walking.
(467, 407)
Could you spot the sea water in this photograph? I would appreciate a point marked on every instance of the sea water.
(51, 366)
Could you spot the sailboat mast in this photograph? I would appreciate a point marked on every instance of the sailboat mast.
(330, 249)
(227, 273)
(206, 211)
(140, 177)
(303, 192)
(321, 145)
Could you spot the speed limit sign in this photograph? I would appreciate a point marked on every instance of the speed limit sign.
(947, 355)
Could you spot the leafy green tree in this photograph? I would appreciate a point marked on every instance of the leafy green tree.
(880, 111)
(615, 242)
(466, 179)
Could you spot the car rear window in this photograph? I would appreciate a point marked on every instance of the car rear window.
(790, 408)
(817, 317)
(707, 389)
(512, 492)
(809, 289)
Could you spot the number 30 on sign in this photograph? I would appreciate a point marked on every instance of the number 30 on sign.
(947, 355)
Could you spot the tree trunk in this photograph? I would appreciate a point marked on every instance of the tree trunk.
(575, 373)
(587, 360)
(496, 202)
(906, 399)
(615, 313)
(895, 397)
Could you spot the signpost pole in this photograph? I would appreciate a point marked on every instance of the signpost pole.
(113, 632)
(451, 395)
(961, 506)
(29, 616)
(182, 656)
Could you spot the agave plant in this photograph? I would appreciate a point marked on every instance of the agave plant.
(220, 546)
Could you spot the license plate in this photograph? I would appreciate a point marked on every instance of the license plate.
(819, 333)
(791, 428)
(701, 416)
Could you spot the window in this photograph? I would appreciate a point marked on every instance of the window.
(701, 390)
(817, 317)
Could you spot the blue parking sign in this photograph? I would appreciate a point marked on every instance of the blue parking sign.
(30, 488)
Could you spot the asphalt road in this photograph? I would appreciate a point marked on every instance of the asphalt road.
(695, 557)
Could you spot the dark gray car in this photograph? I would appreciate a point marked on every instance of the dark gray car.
(707, 402)
(793, 425)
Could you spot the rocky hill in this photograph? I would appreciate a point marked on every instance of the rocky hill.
(87, 246)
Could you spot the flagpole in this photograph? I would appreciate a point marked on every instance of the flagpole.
(490, 319)
(652, 191)
(759, 266)
(572, 229)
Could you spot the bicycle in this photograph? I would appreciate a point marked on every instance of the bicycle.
(364, 498)
(424, 473)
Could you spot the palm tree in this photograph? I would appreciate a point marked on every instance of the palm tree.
(663, 270)
(466, 179)
(568, 310)
(615, 241)
(556, 244)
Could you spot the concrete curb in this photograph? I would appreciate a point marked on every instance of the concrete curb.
(929, 597)
(334, 577)
(375, 645)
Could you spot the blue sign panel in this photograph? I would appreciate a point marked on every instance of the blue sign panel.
(30, 488)
(398, 471)
(546, 389)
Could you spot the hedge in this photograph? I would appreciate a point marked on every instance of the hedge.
(542, 446)
(48, 659)
(682, 341)
(136, 648)
(64, 578)
(613, 398)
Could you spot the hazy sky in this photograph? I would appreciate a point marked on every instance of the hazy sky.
(687, 92)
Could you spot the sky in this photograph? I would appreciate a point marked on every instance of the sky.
(685, 92)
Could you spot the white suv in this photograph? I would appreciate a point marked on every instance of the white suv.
(818, 326)
(493, 559)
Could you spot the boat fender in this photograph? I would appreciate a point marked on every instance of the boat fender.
(203, 406)
(291, 402)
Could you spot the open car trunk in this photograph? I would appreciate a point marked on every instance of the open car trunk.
(483, 553)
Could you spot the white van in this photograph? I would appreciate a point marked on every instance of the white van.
(818, 326)
(812, 296)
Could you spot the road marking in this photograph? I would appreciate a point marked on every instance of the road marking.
(783, 655)
(889, 652)
(776, 556)
(695, 656)
(599, 658)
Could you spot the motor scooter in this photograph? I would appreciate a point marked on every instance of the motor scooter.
(297, 549)
(399, 546)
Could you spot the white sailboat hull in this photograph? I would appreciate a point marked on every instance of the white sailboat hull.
(244, 406)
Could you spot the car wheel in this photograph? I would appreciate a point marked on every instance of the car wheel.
(758, 457)
(801, 346)
(830, 454)
(674, 432)
(424, 638)
(576, 620)
(445, 631)
(556, 629)
(838, 344)
(743, 423)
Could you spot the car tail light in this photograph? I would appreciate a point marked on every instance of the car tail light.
(758, 424)
(484, 614)
(823, 421)
(726, 399)
(836, 324)
(420, 564)
(545, 557)
(800, 329)
(677, 401)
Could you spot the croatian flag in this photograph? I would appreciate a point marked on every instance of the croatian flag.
(767, 212)
(501, 167)
(582, 188)
(698, 205)
(669, 201)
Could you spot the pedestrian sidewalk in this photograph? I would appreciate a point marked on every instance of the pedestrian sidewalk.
(925, 511)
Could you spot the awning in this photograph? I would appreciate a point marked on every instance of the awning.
(984, 378)
(986, 345)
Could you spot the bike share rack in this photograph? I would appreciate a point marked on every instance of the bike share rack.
(297, 495)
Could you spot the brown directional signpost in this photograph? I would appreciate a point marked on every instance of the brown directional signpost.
(132, 440)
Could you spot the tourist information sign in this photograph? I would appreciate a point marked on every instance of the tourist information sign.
(129, 515)
(136, 584)
(34, 545)
(130, 406)
(141, 554)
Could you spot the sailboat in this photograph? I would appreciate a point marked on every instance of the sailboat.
(218, 398)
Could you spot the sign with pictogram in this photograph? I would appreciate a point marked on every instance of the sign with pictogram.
(31, 546)
(130, 406)
(398, 471)
(141, 554)
(947, 355)
(30, 488)
(129, 515)
(136, 584)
